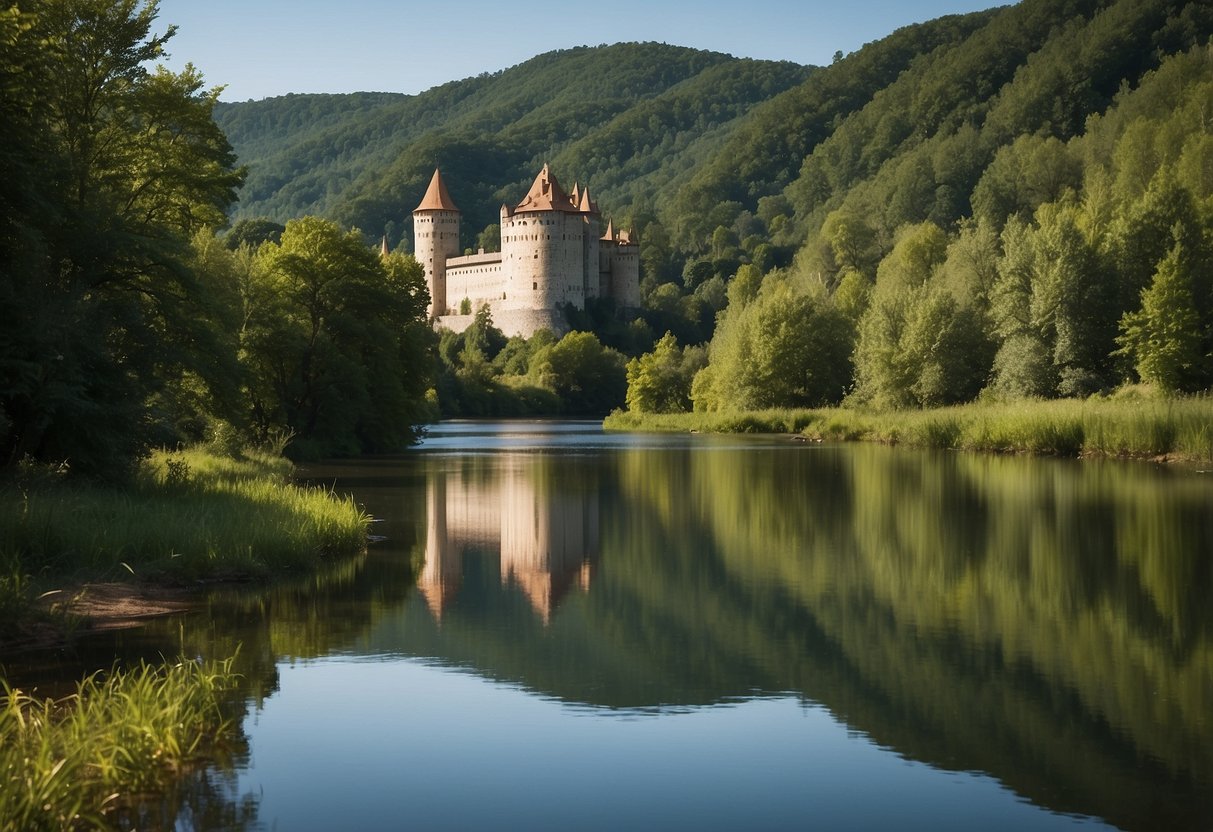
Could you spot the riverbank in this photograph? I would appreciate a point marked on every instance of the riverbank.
(1178, 429)
(190, 519)
(84, 557)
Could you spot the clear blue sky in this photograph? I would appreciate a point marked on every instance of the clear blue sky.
(260, 48)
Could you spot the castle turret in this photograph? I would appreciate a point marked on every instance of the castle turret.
(590, 246)
(436, 238)
(620, 267)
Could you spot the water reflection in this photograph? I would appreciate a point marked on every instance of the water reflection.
(546, 538)
(1042, 623)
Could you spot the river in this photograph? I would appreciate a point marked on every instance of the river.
(566, 629)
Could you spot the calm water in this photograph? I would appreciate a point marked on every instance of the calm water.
(565, 629)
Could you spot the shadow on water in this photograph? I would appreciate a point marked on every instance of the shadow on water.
(1045, 622)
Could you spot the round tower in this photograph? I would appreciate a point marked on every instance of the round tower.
(435, 239)
(541, 245)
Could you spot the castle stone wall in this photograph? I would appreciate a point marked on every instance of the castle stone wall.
(477, 278)
(523, 322)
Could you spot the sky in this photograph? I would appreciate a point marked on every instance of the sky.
(262, 48)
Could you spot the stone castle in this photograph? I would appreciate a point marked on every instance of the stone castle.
(553, 253)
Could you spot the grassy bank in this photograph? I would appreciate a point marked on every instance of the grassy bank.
(1180, 429)
(79, 762)
(190, 516)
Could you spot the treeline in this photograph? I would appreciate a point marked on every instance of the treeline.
(124, 323)
(483, 373)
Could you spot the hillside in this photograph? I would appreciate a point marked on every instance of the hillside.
(902, 128)
(609, 113)
(893, 171)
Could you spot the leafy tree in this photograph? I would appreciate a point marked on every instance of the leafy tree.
(1163, 337)
(917, 347)
(102, 311)
(919, 250)
(660, 381)
(744, 286)
(490, 238)
(789, 347)
(590, 379)
(852, 240)
(1075, 306)
(253, 232)
(336, 346)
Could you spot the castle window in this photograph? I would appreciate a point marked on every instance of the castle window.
(535, 286)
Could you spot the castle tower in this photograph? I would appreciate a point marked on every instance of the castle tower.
(436, 238)
(541, 241)
(590, 245)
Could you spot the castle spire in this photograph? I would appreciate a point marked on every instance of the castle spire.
(383, 250)
(436, 198)
(610, 232)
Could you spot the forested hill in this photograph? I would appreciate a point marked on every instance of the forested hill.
(900, 160)
(609, 114)
(903, 128)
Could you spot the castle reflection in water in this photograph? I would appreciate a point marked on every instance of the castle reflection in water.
(545, 534)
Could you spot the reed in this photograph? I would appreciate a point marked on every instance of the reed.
(81, 761)
(1179, 429)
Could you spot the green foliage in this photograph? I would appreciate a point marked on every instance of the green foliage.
(108, 169)
(788, 347)
(335, 342)
(252, 232)
(590, 379)
(917, 347)
(660, 381)
(1163, 337)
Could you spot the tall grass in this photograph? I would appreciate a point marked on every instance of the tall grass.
(191, 515)
(1176, 429)
(84, 760)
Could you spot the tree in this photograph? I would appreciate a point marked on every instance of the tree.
(103, 311)
(589, 378)
(337, 346)
(660, 381)
(789, 347)
(253, 232)
(918, 347)
(852, 240)
(1163, 337)
(490, 238)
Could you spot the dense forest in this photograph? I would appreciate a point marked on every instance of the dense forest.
(1010, 203)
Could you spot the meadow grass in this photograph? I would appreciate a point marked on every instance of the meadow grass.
(190, 515)
(83, 761)
(1132, 427)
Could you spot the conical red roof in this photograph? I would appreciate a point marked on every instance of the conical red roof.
(436, 196)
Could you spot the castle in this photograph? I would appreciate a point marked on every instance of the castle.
(552, 254)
